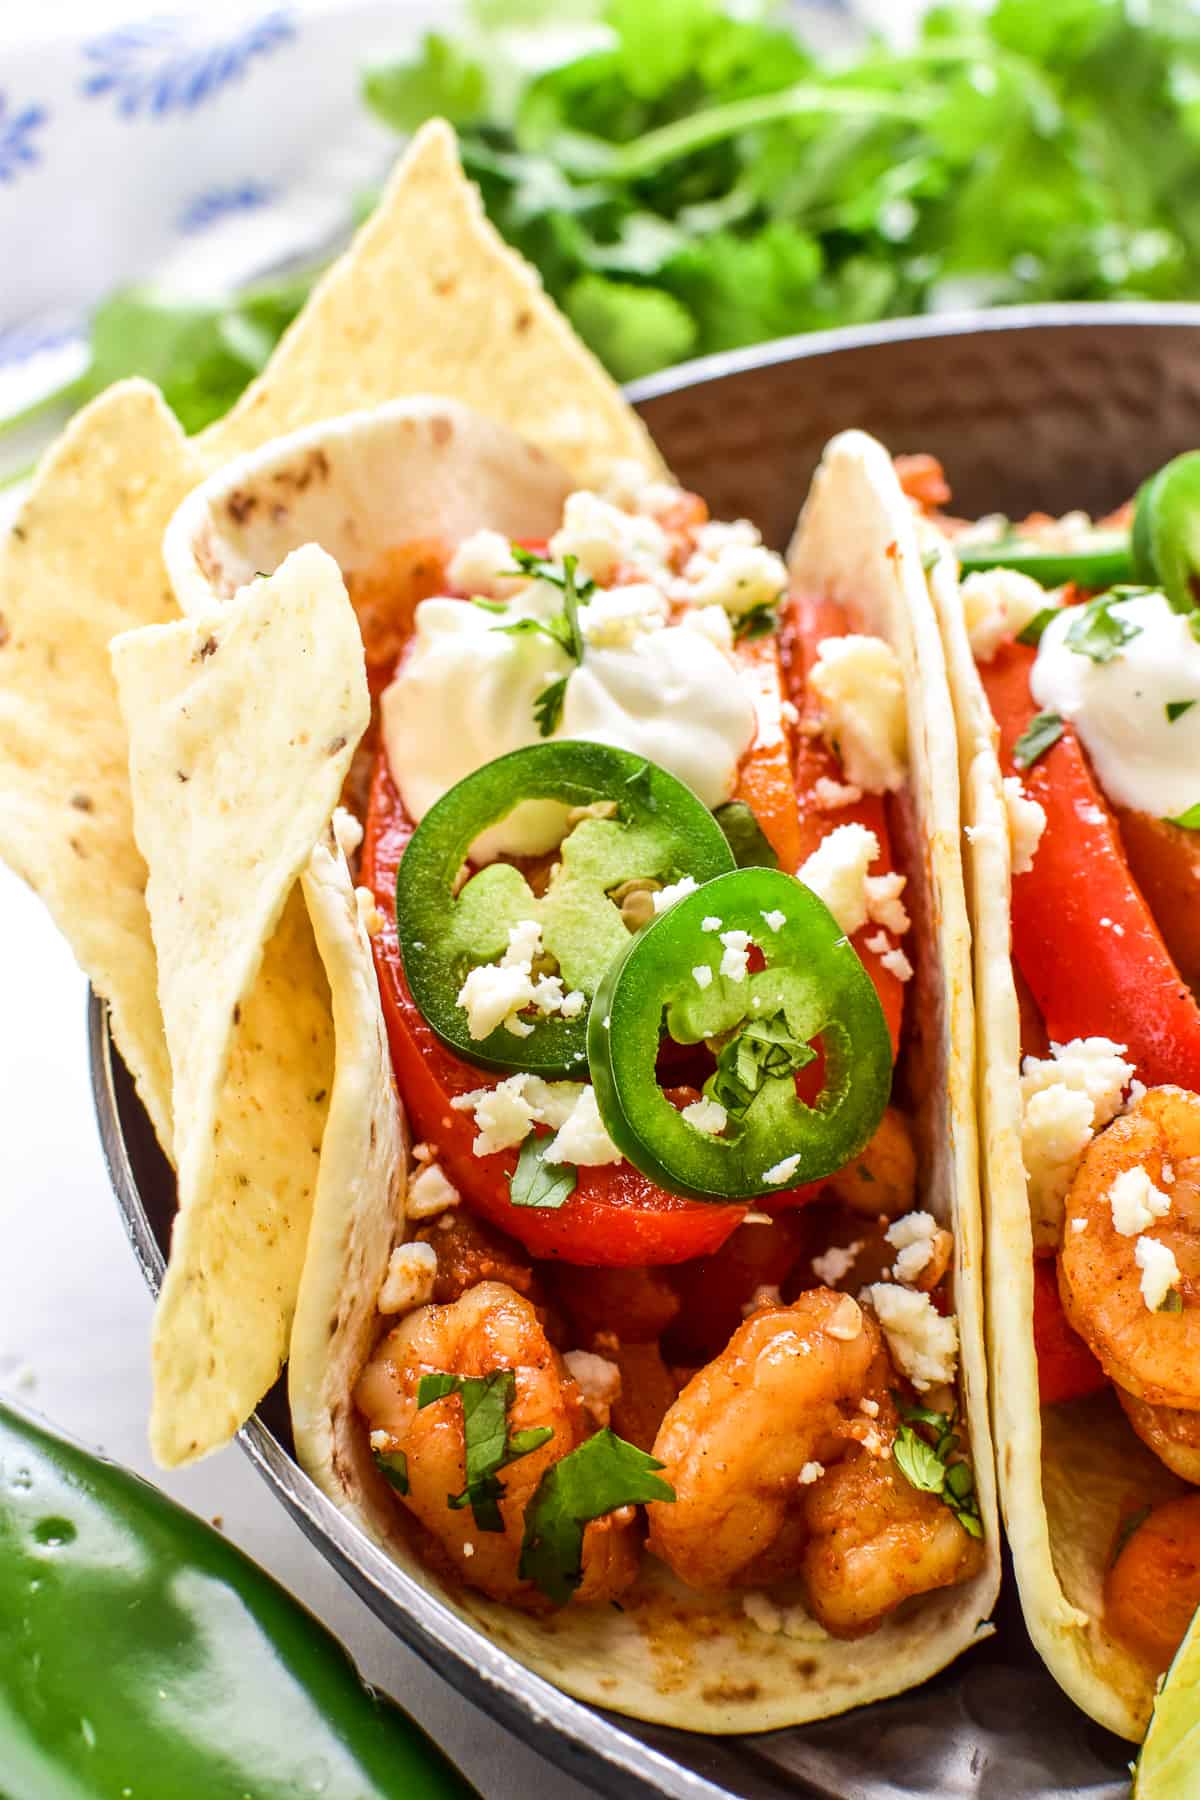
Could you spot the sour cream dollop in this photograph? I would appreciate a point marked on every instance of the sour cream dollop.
(465, 694)
(1119, 708)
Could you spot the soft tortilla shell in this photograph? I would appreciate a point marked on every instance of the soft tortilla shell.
(1065, 1471)
(430, 300)
(671, 1656)
(77, 566)
(241, 724)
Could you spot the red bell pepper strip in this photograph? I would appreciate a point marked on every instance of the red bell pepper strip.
(1083, 935)
(615, 1217)
(1067, 1370)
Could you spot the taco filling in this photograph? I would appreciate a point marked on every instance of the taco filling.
(1087, 649)
(642, 942)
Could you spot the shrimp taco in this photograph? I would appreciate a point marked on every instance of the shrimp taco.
(559, 945)
(1074, 654)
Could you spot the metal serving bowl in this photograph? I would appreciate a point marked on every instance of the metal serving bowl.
(1053, 407)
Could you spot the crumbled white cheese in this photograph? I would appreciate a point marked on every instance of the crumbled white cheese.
(614, 618)
(706, 1115)
(782, 1171)
(505, 1114)
(628, 486)
(1136, 1202)
(860, 685)
(836, 1263)
(1160, 1271)
(870, 1408)
(347, 831)
(581, 1138)
(736, 959)
(711, 924)
(837, 873)
(702, 975)
(884, 905)
(599, 1381)
(831, 796)
(1026, 823)
(1079, 1224)
(664, 897)
(475, 567)
(411, 1271)
(782, 1621)
(897, 964)
(1055, 1132)
(712, 622)
(847, 1320)
(998, 603)
(789, 713)
(429, 1192)
(775, 919)
(812, 1471)
(497, 993)
(369, 915)
(730, 568)
(913, 1237)
(924, 1345)
(602, 537)
(1093, 1066)
(765, 1294)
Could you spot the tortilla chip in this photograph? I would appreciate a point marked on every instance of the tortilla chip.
(430, 300)
(359, 1208)
(241, 724)
(78, 565)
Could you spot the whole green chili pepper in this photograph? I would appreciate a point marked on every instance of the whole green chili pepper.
(143, 1657)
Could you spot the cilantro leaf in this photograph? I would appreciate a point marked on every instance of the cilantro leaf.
(393, 1466)
(1190, 820)
(548, 707)
(1032, 633)
(535, 1182)
(762, 1050)
(1177, 708)
(756, 622)
(918, 1461)
(486, 1400)
(928, 1467)
(1172, 1301)
(745, 836)
(441, 79)
(604, 1473)
(633, 329)
(1042, 732)
(563, 629)
(1096, 633)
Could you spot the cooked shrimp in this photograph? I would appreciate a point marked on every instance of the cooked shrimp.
(489, 1328)
(753, 1445)
(1172, 1433)
(1153, 1584)
(1154, 1355)
(875, 1541)
(883, 1177)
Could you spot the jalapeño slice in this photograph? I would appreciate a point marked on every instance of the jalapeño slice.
(1102, 560)
(1166, 531)
(681, 976)
(635, 827)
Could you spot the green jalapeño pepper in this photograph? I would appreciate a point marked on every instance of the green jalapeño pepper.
(1166, 531)
(692, 974)
(1102, 559)
(141, 1655)
(630, 829)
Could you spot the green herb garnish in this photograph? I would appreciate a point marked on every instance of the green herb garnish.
(1096, 633)
(1177, 708)
(535, 1182)
(763, 1049)
(563, 629)
(745, 836)
(1190, 820)
(1172, 1302)
(926, 1465)
(1032, 633)
(756, 622)
(603, 1473)
(393, 1466)
(486, 1400)
(1042, 732)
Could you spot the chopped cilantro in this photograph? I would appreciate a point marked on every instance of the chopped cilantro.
(602, 1474)
(927, 1465)
(1190, 820)
(1041, 733)
(535, 1182)
(1177, 708)
(486, 605)
(1032, 633)
(1095, 633)
(548, 707)
(762, 1050)
(486, 1400)
(745, 836)
(393, 1466)
(563, 629)
(930, 559)
(1172, 1302)
(756, 622)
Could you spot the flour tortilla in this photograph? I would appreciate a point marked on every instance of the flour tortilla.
(1066, 1471)
(241, 724)
(77, 566)
(671, 1656)
(430, 300)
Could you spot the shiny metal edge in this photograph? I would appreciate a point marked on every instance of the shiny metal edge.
(583, 1742)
